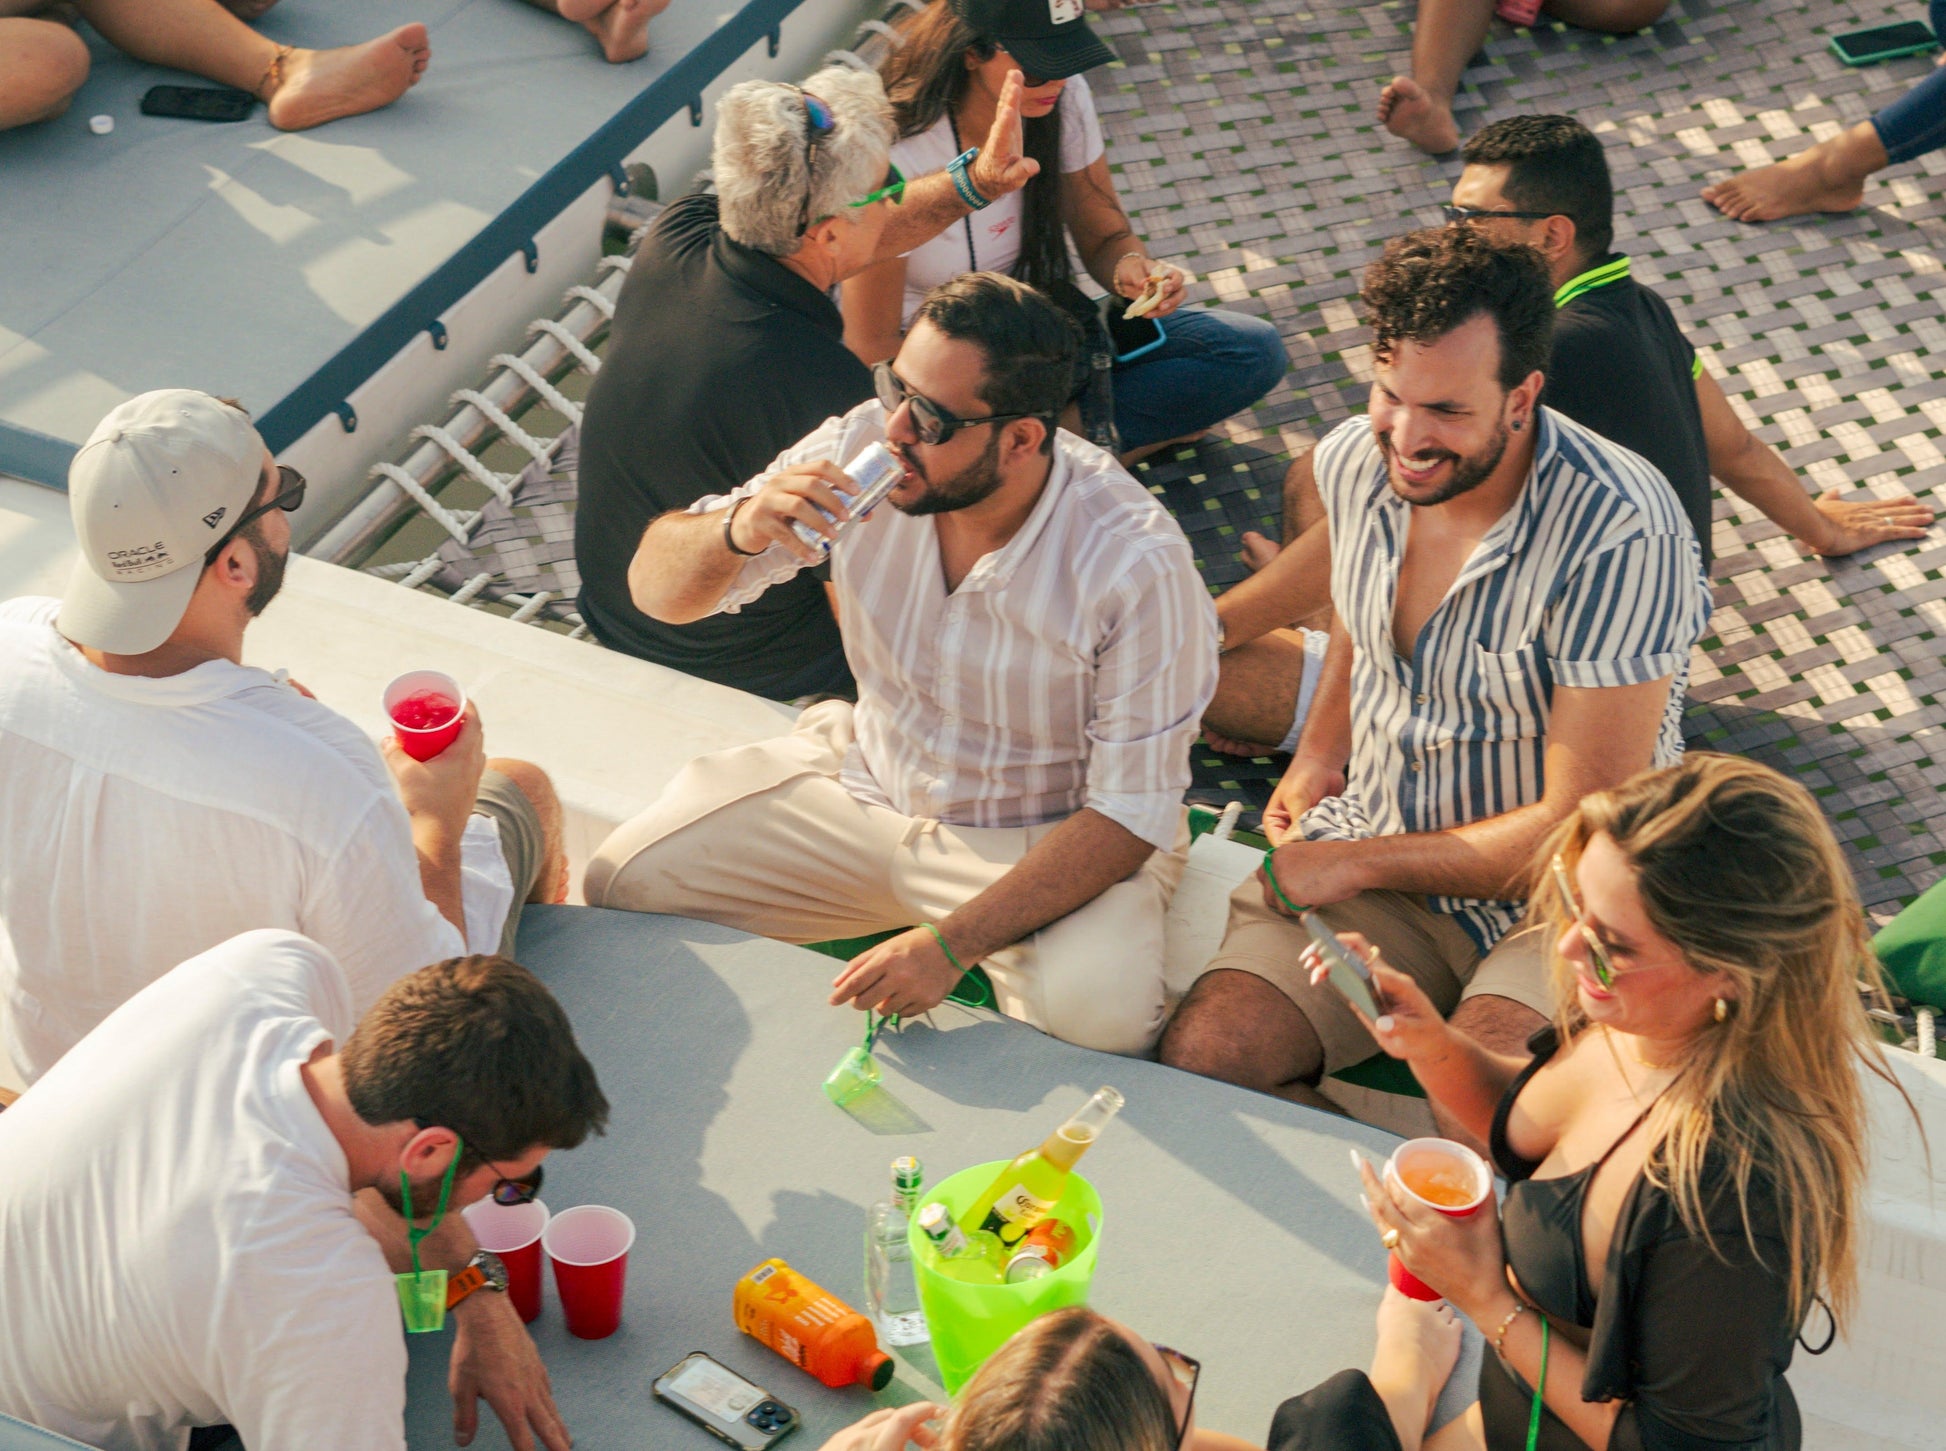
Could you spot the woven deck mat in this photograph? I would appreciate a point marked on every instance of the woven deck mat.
(1243, 138)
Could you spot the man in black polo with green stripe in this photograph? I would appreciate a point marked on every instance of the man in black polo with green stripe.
(1620, 365)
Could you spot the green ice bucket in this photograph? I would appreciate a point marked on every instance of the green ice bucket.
(969, 1322)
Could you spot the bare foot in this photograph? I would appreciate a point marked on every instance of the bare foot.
(1830, 177)
(1418, 1346)
(326, 85)
(1258, 550)
(1224, 746)
(1408, 111)
(622, 27)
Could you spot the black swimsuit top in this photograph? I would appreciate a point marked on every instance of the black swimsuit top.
(1541, 1219)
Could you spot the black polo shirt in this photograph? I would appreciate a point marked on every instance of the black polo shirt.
(1622, 367)
(719, 359)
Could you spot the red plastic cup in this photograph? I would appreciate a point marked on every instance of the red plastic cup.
(1455, 1162)
(589, 1246)
(513, 1231)
(417, 705)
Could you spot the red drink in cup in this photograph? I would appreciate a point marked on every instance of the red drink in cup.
(427, 708)
(1443, 1175)
(589, 1246)
(513, 1231)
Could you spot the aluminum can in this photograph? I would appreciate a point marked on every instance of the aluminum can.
(1029, 1263)
(874, 474)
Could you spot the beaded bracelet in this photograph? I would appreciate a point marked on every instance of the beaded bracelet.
(1500, 1335)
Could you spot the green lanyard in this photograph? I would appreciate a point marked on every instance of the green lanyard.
(1534, 1417)
(422, 1293)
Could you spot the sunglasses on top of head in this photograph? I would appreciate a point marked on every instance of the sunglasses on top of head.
(289, 497)
(932, 422)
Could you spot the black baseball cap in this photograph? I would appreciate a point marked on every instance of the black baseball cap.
(1050, 38)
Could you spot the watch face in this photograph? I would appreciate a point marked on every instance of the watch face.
(495, 1272)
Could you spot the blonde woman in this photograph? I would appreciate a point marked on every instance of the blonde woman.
(1686, 1146)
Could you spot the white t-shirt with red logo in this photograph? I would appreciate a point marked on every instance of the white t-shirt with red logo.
(994, 241)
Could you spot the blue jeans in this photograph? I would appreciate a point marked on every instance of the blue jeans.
(1210, 365)
(1916, 122)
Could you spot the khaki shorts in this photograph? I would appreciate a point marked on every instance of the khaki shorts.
(522, 842)
(1429, 947)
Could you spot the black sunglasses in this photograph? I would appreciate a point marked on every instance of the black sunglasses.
(1178, 1363)
(1455, 214)
(818, 124)
(506, 1190)
(289, 497)
(932, 423)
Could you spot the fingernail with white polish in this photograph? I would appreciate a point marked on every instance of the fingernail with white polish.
(1384, 1023)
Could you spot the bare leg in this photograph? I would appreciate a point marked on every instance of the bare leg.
(1830, 177)
(621, 26)
(1418, 1346)
(1256, 695)
(1615, 17)
(1419, 108)
(42, 65)
(1237, 1027)
(1500, 1025)
(201, 37)
(551, 877)
(1302, 509)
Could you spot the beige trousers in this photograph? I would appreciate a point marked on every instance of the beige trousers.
(766, 839)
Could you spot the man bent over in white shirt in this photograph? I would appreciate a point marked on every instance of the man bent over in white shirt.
(177, 1216)
(1033, 648)
(157, 796)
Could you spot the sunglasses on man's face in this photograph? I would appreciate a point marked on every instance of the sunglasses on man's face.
(289, 497)
(506, 1188)
(893, 190)
(933, 423)
(1455, 214)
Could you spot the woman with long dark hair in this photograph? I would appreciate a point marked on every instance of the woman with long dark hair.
(944, 81)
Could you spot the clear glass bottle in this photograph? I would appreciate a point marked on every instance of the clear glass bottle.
(974, 1258)
(891, 1294)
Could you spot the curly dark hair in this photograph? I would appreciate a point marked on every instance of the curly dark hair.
(1554, 164)
(1427, 283)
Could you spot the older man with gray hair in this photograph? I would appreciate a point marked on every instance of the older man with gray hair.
(727, 348)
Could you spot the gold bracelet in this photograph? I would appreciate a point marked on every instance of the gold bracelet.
(1500, 1335)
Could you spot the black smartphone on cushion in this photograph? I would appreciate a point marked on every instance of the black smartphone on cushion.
(1883, 42)
(199, 103)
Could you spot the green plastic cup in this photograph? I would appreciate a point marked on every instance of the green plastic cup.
(969, 1322)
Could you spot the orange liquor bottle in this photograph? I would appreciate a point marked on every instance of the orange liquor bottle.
(810, 1327)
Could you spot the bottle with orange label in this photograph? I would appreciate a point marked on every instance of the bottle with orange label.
(810, 1327)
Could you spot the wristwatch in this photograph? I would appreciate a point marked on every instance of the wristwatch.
(483, 1272)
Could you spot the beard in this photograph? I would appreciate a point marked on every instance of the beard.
(270, 572)
(425, 1197)
(971, 485)
(1469, 470)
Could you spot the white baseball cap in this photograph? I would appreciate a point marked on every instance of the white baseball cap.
(162, 478)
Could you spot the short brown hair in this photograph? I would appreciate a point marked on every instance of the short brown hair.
(1070, 1381)
(477, 1045)
(1428, 283)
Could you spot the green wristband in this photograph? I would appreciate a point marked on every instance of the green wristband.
(1270, 874)
(940, 938)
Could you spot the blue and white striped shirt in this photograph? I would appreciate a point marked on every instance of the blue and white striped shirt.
(1592, 579)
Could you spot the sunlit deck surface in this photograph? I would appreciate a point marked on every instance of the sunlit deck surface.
(1244, 144)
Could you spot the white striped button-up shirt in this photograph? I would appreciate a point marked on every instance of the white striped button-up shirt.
(1069, 669)
(1591, 579)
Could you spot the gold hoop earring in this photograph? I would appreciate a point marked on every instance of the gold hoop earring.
(1722, 1010)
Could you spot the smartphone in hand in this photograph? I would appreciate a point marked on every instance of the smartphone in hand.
(1350, 976)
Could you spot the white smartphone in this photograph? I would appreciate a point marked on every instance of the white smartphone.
(724, 1404)
(1352, 979)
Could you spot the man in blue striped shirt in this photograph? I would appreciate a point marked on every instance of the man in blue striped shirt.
(1514, 602)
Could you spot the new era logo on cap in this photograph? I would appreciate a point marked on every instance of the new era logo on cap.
(153, 469)
(1062, 11)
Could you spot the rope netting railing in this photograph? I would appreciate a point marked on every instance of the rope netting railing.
(510, 548)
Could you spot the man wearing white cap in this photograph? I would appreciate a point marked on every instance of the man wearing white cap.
(158, 797)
